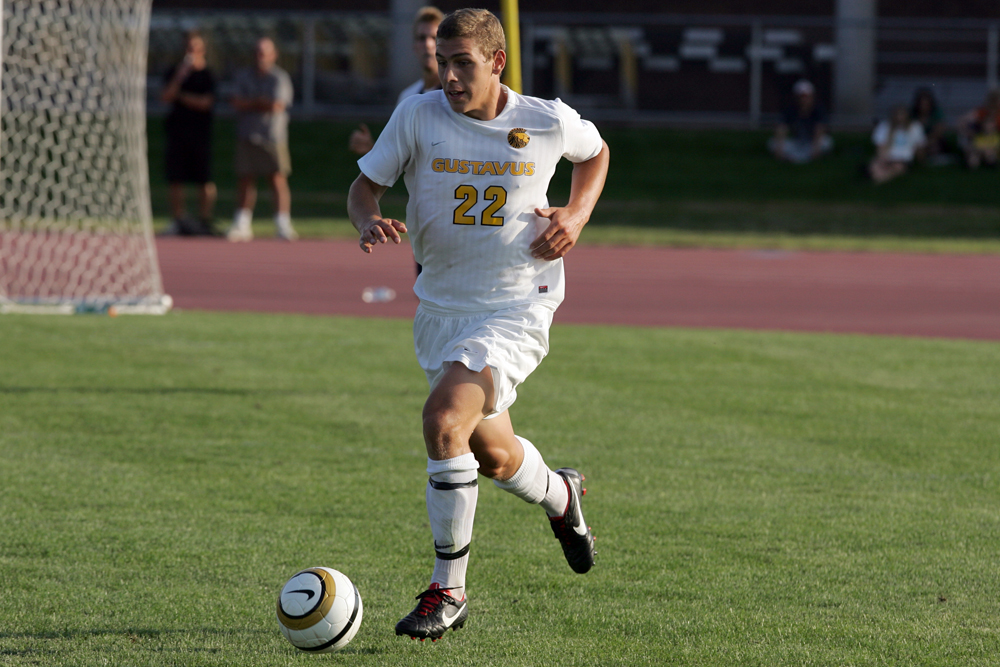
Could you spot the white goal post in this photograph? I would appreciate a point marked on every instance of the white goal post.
(76, 229)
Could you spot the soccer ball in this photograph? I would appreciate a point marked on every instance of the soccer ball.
(319, 610)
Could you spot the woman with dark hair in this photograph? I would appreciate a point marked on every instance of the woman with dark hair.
(926, 111)
(190, 91)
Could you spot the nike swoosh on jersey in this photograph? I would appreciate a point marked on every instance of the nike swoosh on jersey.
(309, 594)
(448, 620)
(435, 143)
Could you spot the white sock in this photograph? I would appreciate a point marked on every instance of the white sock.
(283, 220)
(452, 492)
(535, 483)
(243, 218)
(557, 496)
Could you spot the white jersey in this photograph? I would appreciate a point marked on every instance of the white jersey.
(903, 143)
(473, 188)
(415, 88)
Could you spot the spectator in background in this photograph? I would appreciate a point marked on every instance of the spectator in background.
(190, 92)
(925, 110)
(897, 141)
(425, 27)
(979, 133)
(802, 136)
(263, 95)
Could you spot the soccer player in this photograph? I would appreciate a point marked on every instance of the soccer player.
(425, 26)
(477, 159)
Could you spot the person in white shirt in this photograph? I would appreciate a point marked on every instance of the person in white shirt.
(477, 158)
(425, 26)
(898, 142)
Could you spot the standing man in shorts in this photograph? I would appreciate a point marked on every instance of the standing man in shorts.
(263, 95)
(477, 159)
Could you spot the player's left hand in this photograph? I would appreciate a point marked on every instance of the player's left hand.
(560, 236)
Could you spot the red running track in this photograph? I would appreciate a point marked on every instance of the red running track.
(953, 296)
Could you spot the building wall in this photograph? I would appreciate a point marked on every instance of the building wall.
(985, 9)
(975, 9)
(795, 7)
(271, 5)
(695, 67)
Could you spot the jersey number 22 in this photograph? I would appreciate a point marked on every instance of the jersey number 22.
(469, 196)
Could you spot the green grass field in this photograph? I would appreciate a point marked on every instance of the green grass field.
(679, 187)
(760, 498)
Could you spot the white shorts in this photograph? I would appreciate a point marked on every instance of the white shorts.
(512, 342)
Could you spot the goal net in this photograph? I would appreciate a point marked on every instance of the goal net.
(75, 220)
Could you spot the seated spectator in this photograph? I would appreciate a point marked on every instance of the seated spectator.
(979, 133)
(802, 135)
(897, 141)
(926, 111)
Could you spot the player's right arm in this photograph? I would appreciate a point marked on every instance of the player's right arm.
(366, 216)
(175, 80)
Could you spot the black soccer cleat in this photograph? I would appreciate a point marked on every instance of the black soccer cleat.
(435, 613)
(571, 529)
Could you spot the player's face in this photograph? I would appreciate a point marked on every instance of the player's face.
(470, 79)
(425, 45)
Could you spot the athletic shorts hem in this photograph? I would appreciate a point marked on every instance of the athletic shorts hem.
(512, 342)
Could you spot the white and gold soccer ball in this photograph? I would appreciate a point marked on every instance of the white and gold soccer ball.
(319, 610)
